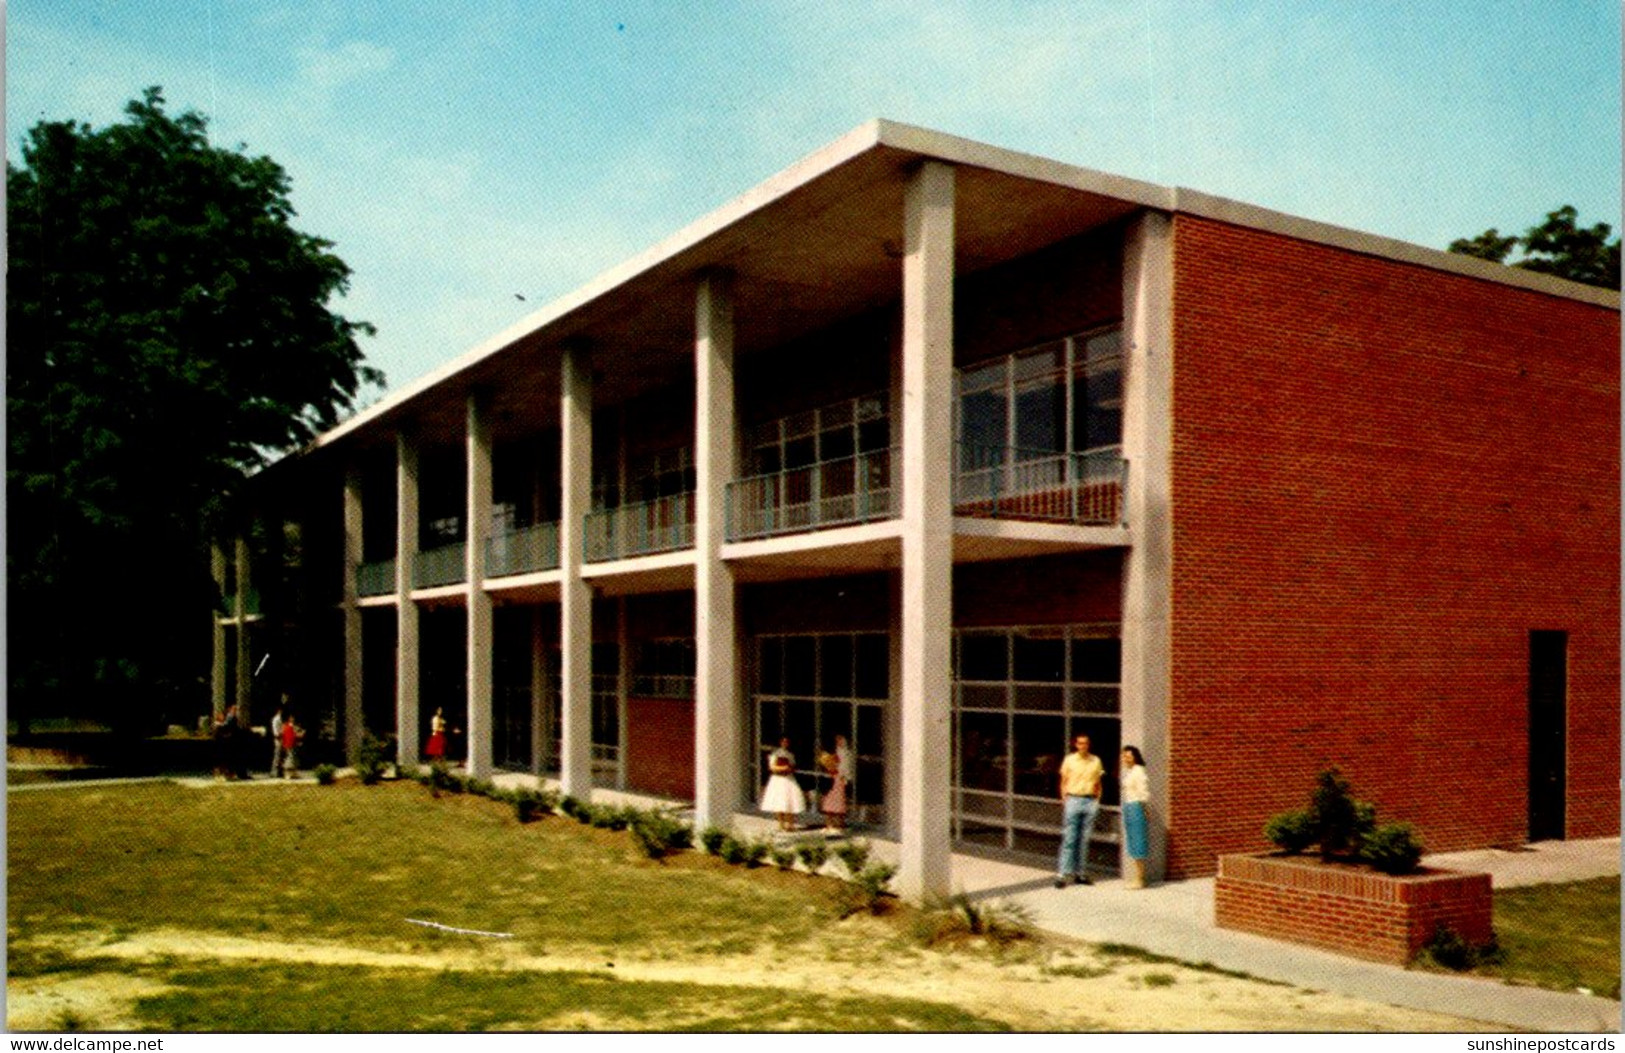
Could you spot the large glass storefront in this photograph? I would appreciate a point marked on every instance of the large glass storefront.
(811, 687)
(1020, 696)
(512, 709)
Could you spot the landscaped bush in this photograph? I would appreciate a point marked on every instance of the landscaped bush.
(1345, 828)
(712, 839)
(732, 849)
(854, 855)
(1392, 848)
(869, 890)
(371, 759)
(572, 807)
(607, 816)
(658, 833)
(783, 856)
(1446, 948)
(999, 922)
(325, 774)
(441, 778)
(527, 805)
(813, 854)
(755, 851)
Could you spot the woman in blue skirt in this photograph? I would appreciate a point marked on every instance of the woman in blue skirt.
(1136, 790)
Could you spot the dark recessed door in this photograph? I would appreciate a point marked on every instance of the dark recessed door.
(1548, 705)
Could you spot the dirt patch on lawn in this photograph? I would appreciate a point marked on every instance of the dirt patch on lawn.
(1061, 988)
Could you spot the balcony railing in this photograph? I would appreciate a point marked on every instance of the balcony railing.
(444, 565)
(662, 525)
(998, 482)
(375, 579)
(523, 551)
(841, 492)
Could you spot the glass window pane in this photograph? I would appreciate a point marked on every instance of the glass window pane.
(984, 696)
(1047, 845)
(984, 656)
(982, 419)
(1041, 417)
(1097, 660)
(874, 435)
(799, 453)
(1039, 696)
(800, 716)
(770, 665)
(873, 666)
(834, 718)
(835, 666)
(1039, 743)
(983, 378)
(867, 739)
(1040, 659)
(835, 444)
(770, 720)
(982, 761)
(1105, 345)
(800, 666)
(1042, 362)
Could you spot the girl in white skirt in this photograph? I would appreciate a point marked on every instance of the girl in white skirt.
(782, 795)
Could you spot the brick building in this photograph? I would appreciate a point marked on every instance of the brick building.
(957, 452)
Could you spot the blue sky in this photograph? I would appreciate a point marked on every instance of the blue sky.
(461, 153)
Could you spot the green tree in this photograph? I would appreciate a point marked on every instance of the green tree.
(1558, 246)
(168, 330)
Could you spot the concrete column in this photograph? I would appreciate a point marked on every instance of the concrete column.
(352, 614)
(1147, 444)
(575, 596)
(408, 745)
(476, 538)
(539, 733)
(927, 600)
(716, 661)
(217, 670)
(244, 689)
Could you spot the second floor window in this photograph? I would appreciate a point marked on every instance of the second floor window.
(1065, 396)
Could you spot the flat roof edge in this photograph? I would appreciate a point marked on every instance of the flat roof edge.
(859, 140)
(955, 150)
(1226, 210)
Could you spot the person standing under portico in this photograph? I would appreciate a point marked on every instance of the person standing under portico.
(1081, 773)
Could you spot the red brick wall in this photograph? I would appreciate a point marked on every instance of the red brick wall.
(1383, 477)
(660, 746)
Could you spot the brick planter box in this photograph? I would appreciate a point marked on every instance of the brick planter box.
(1346, 908)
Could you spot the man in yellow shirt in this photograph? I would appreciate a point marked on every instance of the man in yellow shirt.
(1081, 773)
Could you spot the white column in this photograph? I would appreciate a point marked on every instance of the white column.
(716, 666)
(476, 537)
(540, 734)
(927, 600)
(352, 613)
(1147, 442)
(575, 596)
(217, 670)
(245, 671)
(407, 735)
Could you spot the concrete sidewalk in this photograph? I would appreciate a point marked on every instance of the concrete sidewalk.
(1176, 919)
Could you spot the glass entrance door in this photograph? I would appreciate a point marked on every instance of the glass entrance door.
(811, 687)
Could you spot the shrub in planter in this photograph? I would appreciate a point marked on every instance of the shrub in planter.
(325, 774)
(1291, 832)
(1335, 814)
(1391, 848)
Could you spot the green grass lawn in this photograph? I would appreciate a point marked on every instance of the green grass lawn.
(1560, 936)
(347, 865)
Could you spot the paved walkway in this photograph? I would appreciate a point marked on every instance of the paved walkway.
(1176, 919)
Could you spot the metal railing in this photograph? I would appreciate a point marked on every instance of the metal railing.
(444, 565)
(375, 579)
(662, 525)
(522, 551)
(1000, 482)
(857, 489)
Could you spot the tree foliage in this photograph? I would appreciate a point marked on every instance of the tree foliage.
(168, 329)
(1558, 246)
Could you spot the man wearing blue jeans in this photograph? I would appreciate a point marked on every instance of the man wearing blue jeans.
(1081, 773)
